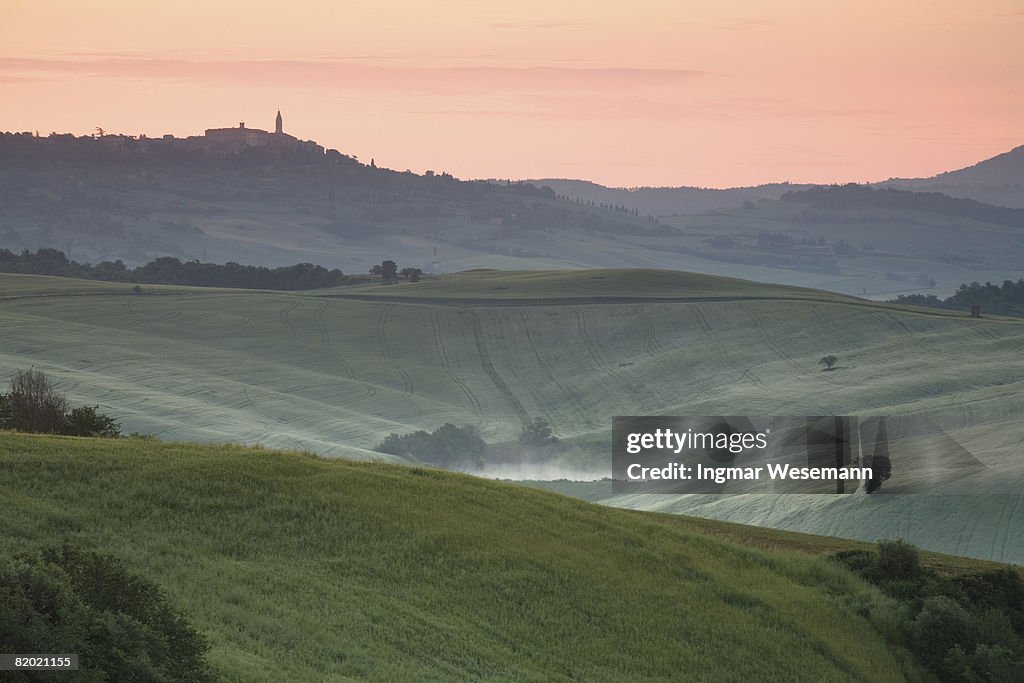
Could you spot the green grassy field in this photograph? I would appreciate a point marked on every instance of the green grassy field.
(336, 371)
(299, 568)
(613, 283)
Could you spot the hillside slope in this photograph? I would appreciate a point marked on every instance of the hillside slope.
(303, 569)
(339, 369)
(336, 371)
(997, 180)
(141, 199)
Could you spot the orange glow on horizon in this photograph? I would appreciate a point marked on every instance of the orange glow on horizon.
(627, 94)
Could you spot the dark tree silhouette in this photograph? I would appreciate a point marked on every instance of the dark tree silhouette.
(537, 434)
(34, 404)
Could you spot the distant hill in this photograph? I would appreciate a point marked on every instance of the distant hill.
(1006, 168)
(664, 201)
(999, 180)
(865, 197)
(137, 200)
(875, 242)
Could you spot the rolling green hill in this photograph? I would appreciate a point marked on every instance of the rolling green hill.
(298, 568)
(335, 371)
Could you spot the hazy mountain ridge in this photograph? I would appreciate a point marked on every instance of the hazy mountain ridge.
(1003, 169)
(998, 180)
(865, 196)
(665, 201)
(138, 199)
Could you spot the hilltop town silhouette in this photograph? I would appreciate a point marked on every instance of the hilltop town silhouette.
(213, 141)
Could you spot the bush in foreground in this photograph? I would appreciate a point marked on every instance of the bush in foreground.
(966, 629)
(33, 404)
(67, 600)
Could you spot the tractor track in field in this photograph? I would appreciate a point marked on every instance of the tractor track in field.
(588, 344)
(894, 323)
(890, 322)
(141, 318)
(716, 344)
(891, 319)
(408, 388)
(286, 321)
(769, 341)
(325, 340)
(272, 418)
(571, 395)
(446, 364)
(651, 345)
(611, 376)
(492, 372)
(979, 329)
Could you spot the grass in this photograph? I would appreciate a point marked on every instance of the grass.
(541, 285)
(299, 568)
(764, 537)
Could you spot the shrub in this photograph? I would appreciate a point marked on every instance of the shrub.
(446, 446)
(941, 625)
(120, 624)
(967, 628)
(6, 412)
(538, 434)
(898, 560)
(34, 404)
(88, 421)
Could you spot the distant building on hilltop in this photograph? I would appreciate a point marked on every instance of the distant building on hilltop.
(238, 139)
(214, 142)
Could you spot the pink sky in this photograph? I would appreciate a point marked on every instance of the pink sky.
(699, 92)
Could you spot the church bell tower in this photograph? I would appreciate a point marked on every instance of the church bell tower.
(278, 123)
